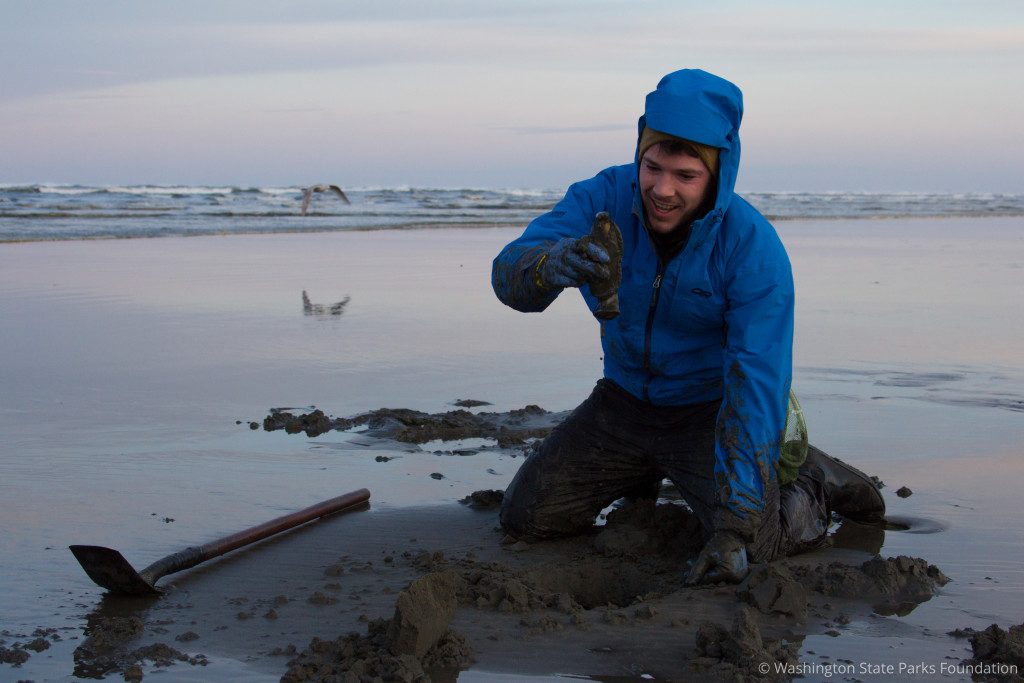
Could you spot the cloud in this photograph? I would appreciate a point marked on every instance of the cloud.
(128, 44)
(556, 84)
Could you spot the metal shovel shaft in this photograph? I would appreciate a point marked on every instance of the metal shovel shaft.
(109, 569)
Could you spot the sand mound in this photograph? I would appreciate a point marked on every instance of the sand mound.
(740, 653)
(773, 589)
(408, 647)
(895, 584)
(412, 426)
(998, 654)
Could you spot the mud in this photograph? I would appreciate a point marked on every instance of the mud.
(414, 645)
(15, 656)
(772, 589)
(641, 548)
(20, 651)
(422, 614)
(894, 585)
(740, 653)
(421, 594)
(998, 653)
(107, 649)
(471, 403)
(628, 575)
(510, 428)
(485, 499)
(398, 608)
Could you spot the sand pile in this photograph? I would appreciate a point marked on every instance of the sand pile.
(411, 646)
(998, 654)
(894, 585)
(772, 588)
(613, 595)
(634, 558)
(412, 426)
(105, 650)
(740, 653)
(20, 650)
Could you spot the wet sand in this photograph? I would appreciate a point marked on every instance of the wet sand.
(609, 604)
(140, 365)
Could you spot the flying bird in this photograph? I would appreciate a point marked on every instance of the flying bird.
(309, 308)
(307, 194)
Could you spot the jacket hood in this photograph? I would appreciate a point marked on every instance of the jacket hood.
(699, 106)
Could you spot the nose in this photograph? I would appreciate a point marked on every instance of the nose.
(662, 187)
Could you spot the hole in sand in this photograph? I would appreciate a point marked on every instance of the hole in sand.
(596, 585)
(914, 525)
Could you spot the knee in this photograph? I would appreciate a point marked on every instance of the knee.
(513, 520)
(530, 513)
(524, 497)
(517, 516)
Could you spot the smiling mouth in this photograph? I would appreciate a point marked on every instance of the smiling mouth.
(663, 208)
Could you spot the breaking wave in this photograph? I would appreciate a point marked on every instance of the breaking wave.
(47, 211)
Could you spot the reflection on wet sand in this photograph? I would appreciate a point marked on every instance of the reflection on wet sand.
(971, 387)
(110, 632)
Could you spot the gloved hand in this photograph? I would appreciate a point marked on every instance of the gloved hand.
(723, 558)
(570, 263)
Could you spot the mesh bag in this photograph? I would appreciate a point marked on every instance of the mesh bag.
(793, 450)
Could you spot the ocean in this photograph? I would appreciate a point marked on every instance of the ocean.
(35, 212)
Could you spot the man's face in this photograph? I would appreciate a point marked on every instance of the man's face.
(672, 187)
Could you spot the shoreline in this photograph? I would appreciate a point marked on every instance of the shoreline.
(449, 225)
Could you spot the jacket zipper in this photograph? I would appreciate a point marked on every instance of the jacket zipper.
(649, 328)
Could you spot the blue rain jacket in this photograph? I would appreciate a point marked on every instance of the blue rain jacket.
(714, 322)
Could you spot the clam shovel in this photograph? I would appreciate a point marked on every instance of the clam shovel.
(109, 569)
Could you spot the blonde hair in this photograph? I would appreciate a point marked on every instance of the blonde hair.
(675, 145)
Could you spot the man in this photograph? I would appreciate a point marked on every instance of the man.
(697, 366)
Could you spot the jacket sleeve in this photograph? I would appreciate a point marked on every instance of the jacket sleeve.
(757, 368)
(514, 274)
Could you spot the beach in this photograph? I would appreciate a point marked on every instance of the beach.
(136, 367)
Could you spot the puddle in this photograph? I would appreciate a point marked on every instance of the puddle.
(459, 446)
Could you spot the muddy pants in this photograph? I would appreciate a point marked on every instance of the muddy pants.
(615, 445)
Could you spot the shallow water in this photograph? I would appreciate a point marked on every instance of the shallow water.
(129, 363)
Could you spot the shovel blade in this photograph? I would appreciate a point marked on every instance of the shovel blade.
(108, 568)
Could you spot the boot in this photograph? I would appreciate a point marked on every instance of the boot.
(850, 492)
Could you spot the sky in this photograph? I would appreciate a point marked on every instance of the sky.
(908, 95)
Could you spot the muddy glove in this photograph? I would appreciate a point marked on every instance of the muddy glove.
(570, 263)
(723, 558)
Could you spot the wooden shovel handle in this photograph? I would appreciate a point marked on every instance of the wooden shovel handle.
(275, 526)
(190, 557)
